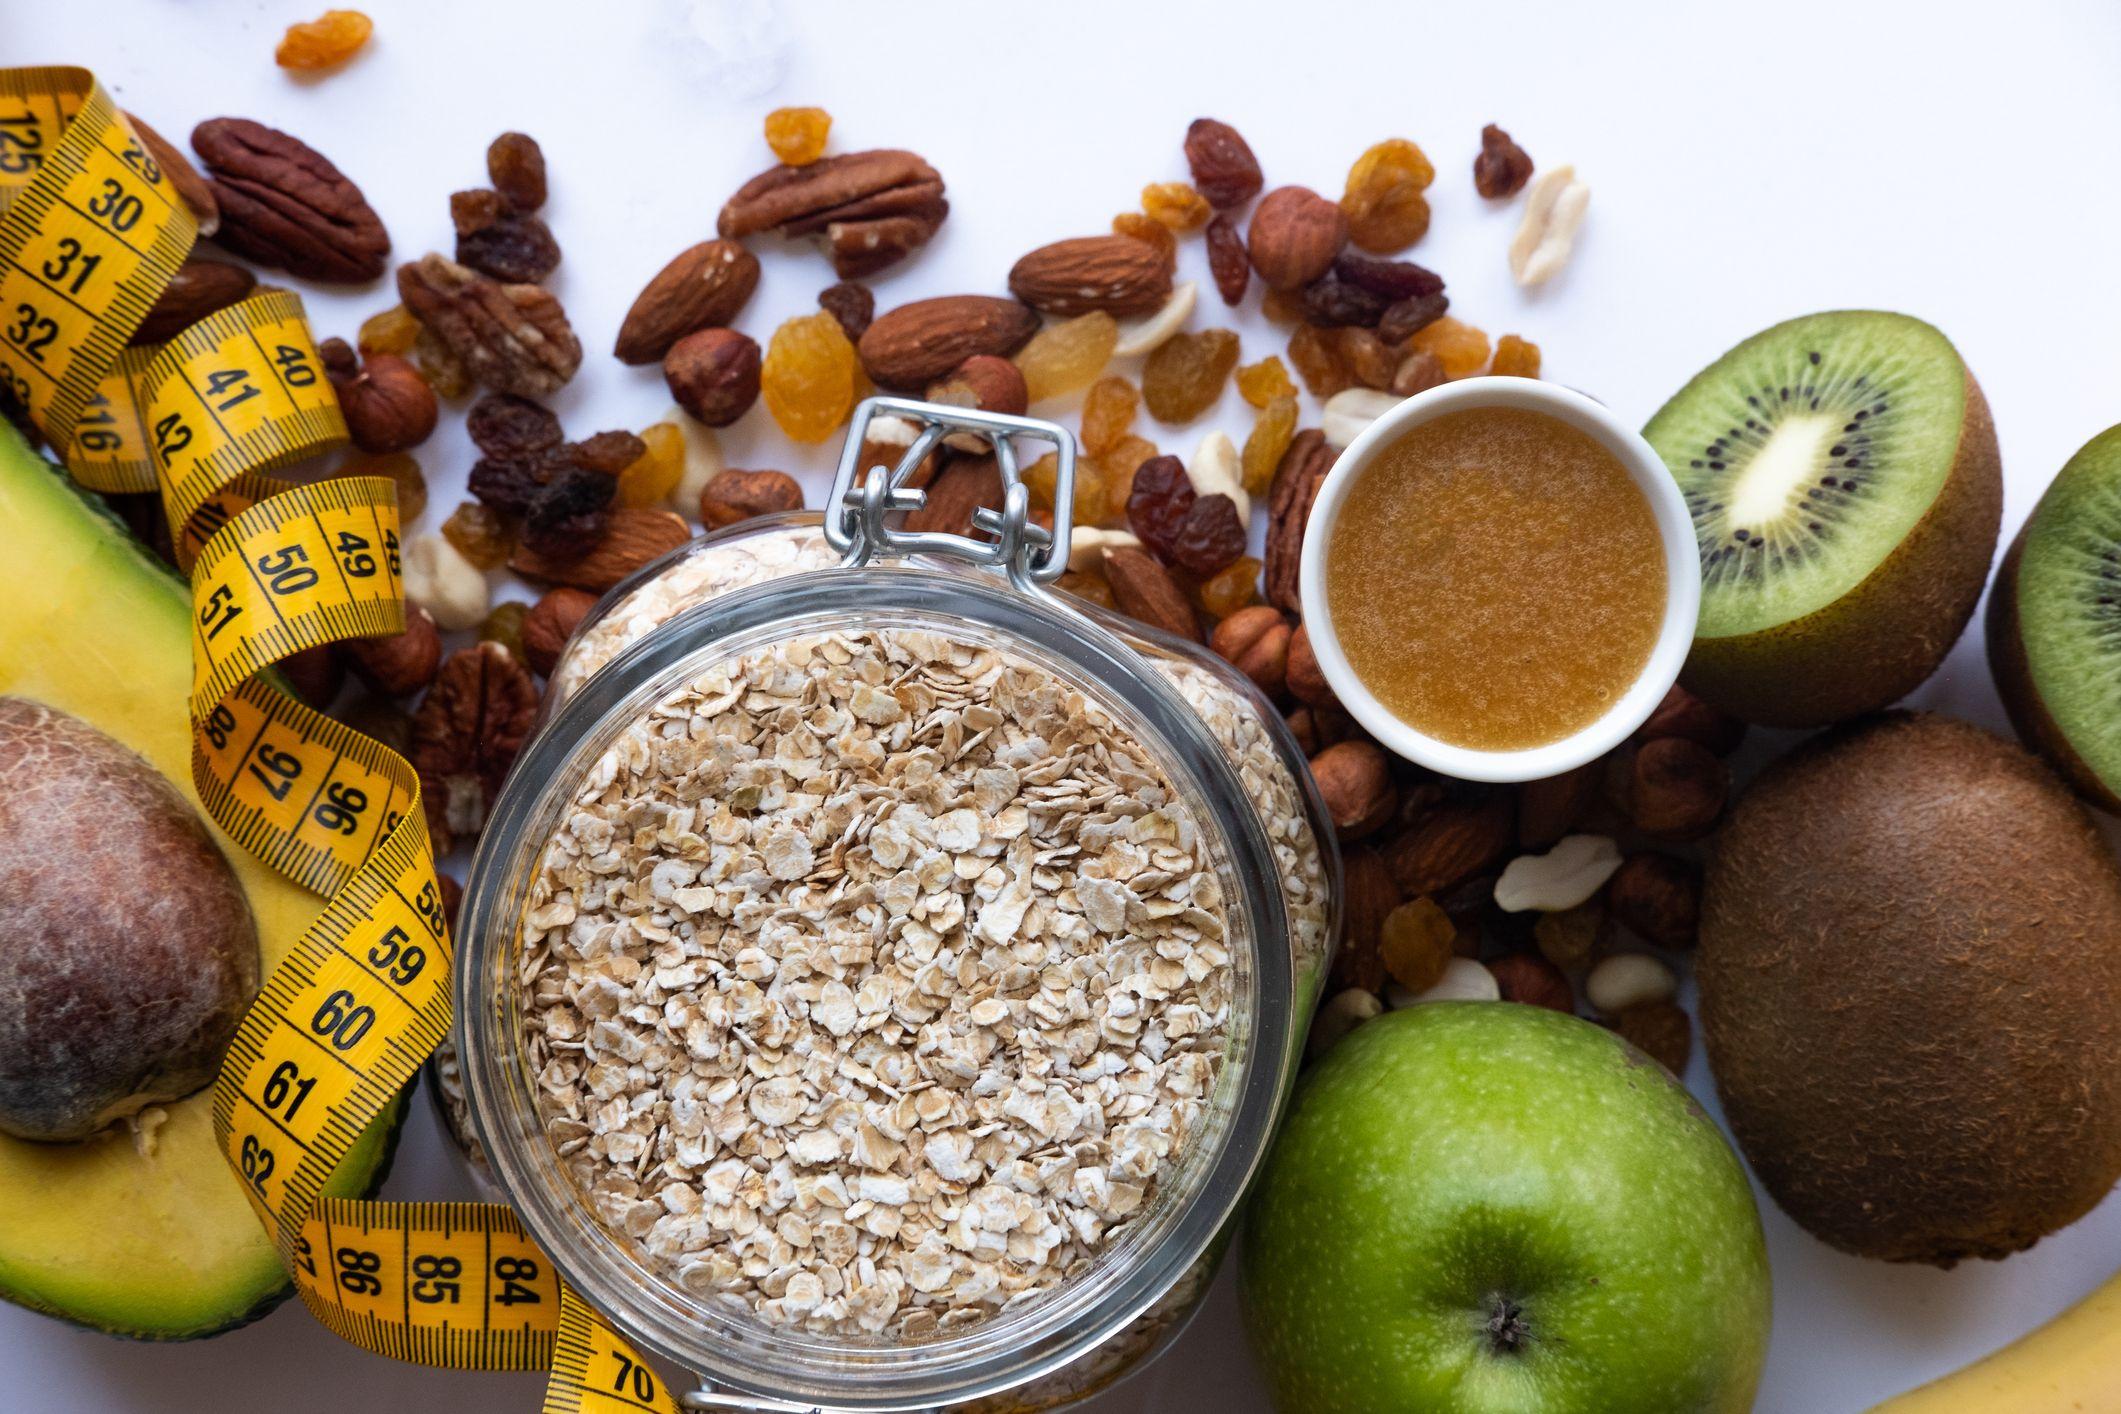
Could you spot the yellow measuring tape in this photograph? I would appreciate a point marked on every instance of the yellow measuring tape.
(90, 233)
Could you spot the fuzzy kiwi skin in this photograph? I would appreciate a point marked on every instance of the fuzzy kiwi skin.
(1910, 984)
(1881, 640)
(2021, 697)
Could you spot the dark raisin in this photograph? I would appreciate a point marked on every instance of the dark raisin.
(1224, 169)
(1227, 259)
(852, 303)
(514, 248)
(1393, 279)
(566, 516)
(339, 359)
(516, 164)
(1211, 538)
(1333, 303)
(1503, 167)
(1409, 317)
(512, 484)
(607, 453)
(504, 425)
(1158, 502)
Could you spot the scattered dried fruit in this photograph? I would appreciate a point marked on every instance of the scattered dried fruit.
(1403, 319)
(1184, 377)
(1515, 358)
(1461, 348)
(515, 164)
(1502, 168)
(1383, 200)
(808, 379)
(1158, 500)
(1573, 936)
(607, 453)
(503, 624)
(852, 303)
(482, 535)
(393, 331)
(511, 338)
(704, 285)
(1261, 383)
(497, 240)
(1553, 214)
(324, 42)
(714, 374)
(797, 135)
(1176, 206)
(1417, 943)
(1136, 225)
(1211, 537)
(1228, 260)
(649, 479)
(285, 206)
(1417, 373)
(1224, 169)
(734, 496)
(1067, 357)
(1369, 358)
(1268, 440)
(1316, 356)
(633, 536)
(1108, 413)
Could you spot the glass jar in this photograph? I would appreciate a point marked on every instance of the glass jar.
(1266, 880)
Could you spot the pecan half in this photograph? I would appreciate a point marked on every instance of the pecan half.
(284, 205)
(466, 735)
(512, 338)
(872, 209)
(1296, 482)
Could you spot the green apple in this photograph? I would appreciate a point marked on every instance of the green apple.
(1479, 1207)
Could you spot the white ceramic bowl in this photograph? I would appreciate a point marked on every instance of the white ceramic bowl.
(1682, 580)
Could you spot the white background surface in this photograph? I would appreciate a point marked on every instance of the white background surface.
(1951, 160)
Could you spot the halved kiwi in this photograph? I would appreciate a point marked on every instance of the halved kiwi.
(2054, 624)
(1846, 491)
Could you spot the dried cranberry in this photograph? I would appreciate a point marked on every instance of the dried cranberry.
(1210, 539)
(1393, 279)
(1227, 259)
(504, 425)
(1158, 503)
(1409, 317)
(607, 453)
(1333, 303)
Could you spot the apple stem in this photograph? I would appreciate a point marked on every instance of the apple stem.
(1508, 1331)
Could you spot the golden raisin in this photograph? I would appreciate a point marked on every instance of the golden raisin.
(1269, 438)
(1066, 357)
(1418, 940)
(1176, 206)
(1089, 498)
(1462, 349)
(1089, 586)
(331, 38)
(402, 471)
(1108, 411)
(439, 365)
(1185, 375)
(1120, 464)
(1038, 478)
(1370, 359)
(503, 624)
(1261, 383)
(1515, 357)
(1233, 587)
(650, 477)
(1149, 230)
(807, 379)
(797, 135)
(394, 331)
(481, 534)
(1383, 202)
(1283, 306)
(1318, 360)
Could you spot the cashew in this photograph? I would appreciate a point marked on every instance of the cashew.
(440, 580)
(1552, 214)
(1215, 468)
(1464, 980)
(1145, 332)
(1563, 877)
(703, 458)
(1087, 545)
(1628, 979)
(1350, 410)
(1342, 1013)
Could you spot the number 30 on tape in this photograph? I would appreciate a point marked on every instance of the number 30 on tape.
(91, 231)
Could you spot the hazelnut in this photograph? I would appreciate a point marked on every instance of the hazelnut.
(739, 495)
(987, 382)
(1661, 1031)
(550, 623)
(1521, 977)
(401, 664)
(1355, 781)
(1672, 788)
(1571, 937)
(713, 374)
(1682, 714)
(1306, 680)
(1367, 896)
(1294, 237)
(1550, 808)
(1657, 897)
(1255, 640)
(1455, 839)
(1628, 979)
(387, 404)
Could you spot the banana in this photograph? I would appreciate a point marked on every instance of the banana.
(2071, 1365)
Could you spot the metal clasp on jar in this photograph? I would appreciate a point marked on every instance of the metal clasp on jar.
(864, 502)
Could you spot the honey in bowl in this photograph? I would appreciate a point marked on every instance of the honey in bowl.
(1496, 578)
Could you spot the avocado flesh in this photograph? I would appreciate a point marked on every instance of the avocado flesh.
(163, 1247)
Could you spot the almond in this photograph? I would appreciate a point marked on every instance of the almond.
(1294, 237)
(706, 285)
(633, 536)
(1145, 590)
(1457, 838)
(963, 487)
(915, 344)
(1368, 897)
(199, 288)
(1117, 274)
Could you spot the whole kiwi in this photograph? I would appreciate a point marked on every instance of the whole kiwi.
(1910, 978)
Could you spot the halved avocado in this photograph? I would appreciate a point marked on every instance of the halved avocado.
(161, 1246)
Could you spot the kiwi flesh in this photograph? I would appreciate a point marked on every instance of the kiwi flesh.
(2054, 624)
(1910, 991)
(1846, 491)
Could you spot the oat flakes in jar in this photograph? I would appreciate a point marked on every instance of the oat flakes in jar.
(880, 977)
